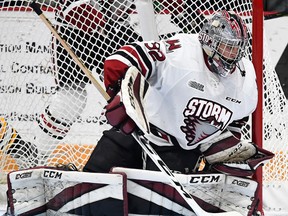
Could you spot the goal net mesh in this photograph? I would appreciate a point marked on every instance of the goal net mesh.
(50, 113)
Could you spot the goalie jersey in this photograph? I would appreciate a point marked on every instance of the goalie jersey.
(186, 104)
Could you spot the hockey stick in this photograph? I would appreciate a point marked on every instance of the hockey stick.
(139, 138)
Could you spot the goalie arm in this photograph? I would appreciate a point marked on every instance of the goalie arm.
(145, 56)
(142, 57)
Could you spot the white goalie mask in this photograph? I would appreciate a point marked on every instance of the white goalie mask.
(224, 39)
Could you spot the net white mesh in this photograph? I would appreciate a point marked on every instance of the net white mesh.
(49, 108)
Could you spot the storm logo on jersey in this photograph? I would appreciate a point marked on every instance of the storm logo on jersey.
(203, 118)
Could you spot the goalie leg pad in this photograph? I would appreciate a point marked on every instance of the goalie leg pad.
(149, 193)
(56, 192)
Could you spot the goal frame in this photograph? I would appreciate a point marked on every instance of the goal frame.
(257, 59)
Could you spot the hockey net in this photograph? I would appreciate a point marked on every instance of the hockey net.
(36, 73)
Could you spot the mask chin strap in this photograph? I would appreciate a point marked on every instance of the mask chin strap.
(241, 68)
(212, 64)
(216, 68)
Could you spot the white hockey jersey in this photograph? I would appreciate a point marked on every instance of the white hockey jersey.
(186, 103)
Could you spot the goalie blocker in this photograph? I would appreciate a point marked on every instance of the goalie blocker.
(54, 191)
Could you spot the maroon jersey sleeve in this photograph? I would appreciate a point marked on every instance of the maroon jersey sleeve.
(141, 55)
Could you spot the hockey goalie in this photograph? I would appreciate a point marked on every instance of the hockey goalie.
(197, 92)
(189, 96)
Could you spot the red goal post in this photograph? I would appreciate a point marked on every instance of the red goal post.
(257, 59)
(28, 67)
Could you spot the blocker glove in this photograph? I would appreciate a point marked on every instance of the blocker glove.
(116, 115)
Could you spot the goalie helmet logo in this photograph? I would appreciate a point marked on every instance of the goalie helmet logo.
(224, 38)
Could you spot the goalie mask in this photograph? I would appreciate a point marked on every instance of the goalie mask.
(224, 39)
